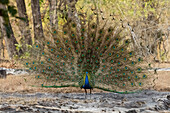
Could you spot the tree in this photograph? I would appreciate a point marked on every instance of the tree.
(11, 40)
(38, 29)
(24, 25)
(1, 45)
(53, 13)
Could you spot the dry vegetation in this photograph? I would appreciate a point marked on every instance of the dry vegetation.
(23, 83)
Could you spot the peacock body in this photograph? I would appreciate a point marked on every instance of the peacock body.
(91, 53)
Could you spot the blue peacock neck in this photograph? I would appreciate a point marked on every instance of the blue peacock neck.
(86, 79)
(86, 83)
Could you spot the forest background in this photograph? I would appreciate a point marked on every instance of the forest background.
(25, 22)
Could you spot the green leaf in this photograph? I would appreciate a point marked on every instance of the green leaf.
(4, 13)
(29, 4)
(12, 10)
(5, 2)
(41, 1)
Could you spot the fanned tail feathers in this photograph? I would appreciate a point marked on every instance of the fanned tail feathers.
(98, 46)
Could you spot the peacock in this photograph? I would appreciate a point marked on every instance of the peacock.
(89, 52)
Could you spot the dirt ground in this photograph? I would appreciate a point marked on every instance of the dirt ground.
(18, 95)
(23, 83)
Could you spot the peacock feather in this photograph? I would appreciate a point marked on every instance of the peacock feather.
(94, 48)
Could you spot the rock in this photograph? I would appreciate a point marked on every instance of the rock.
(6, 108)
(131, 111)
(136, 104)
(166, 104)
(2, 73)
(141, 110)
(104, 102)
(72, 107)
(168, 97)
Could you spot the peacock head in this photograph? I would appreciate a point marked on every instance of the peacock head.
(86, 73)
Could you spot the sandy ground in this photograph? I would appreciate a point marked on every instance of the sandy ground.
(23, 84)
(18, 96)
(163, 81)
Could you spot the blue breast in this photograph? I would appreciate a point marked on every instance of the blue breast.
(86, 85)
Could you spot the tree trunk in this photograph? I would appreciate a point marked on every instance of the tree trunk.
(38, 30)
(24, 25)
(2, 55)
(53, 14)
(9, 41)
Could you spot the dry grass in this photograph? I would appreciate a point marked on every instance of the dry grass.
(23, 84)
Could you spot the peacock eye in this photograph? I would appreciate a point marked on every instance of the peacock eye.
(83, 46)
(76, 42)
(82, 37)
(144, 76)
(73, 35)
(73, 25)
(65, 32)
(57, 41)
(93, 26)
(92, 35)
(108, 38)
(55, 32)
(83, 29)
(101, 31)
(109, 30)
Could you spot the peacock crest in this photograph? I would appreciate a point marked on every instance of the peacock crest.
(92, 44)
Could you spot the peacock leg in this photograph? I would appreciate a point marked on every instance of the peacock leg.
(90, 91)
(85, 91)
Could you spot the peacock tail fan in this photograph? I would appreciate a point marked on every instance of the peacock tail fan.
(101, 47)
